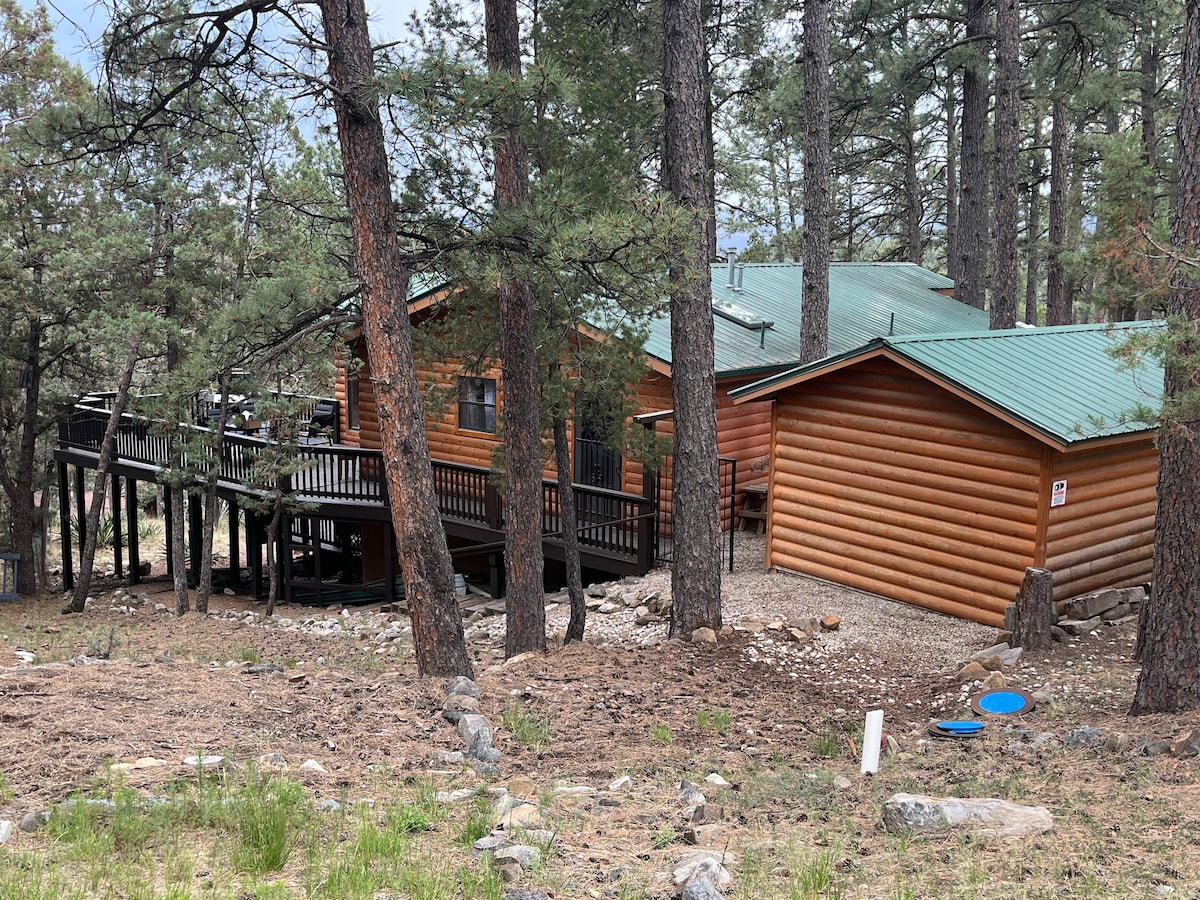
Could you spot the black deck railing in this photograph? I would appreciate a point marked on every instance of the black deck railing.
(610, 522)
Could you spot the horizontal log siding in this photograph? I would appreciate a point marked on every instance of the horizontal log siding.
(1103, 536)
(884, 482)
(366, 408)
(743, 434)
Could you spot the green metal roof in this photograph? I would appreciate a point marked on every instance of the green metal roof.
(1063, 382)
(866, 300)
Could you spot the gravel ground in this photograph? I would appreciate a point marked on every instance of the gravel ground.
(870, 623)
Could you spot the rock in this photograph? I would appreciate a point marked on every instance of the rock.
(455, 796)
(699, 887)
(704, 636)
(609, 608)
(831, 623)
(842, 783)
(1011, 657)
(621, 784)
(994, 681)
(491, 844)
(314, 767)
(1058, 634)
(710, 834)
(708, 864)
(511, 812)
(477, 733)
(690, 795)
(1079, 626)
(522, 787)
(1083, 737)
(994, 650)
(6, 831)
(1117, 742)
(1186, 743)
(25, 657)
(263, 669)
(522, 854)
(510, 873)
(798, 635)
(460, 703)
(448, 757)
(328, 806)
(206, 761)
(1118, 612)
(972, 671)
(1092, 605)
(991, 663)
(714, 778)
(519, 894)
(32, 821)
(708, 814)
(461, 686)
(918, 814)
(892, 746)
(650, 641)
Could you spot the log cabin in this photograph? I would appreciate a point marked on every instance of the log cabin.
(935, 469)
(340, 544)
(756, 324)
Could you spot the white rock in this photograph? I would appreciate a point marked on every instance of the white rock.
(311, 765)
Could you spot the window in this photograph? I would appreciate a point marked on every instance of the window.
(352, 398)
(477, 404)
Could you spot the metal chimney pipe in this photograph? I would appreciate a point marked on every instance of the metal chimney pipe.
(731, 257)
(741, 272)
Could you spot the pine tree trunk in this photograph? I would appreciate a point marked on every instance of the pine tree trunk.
(1005, 268)
(19, 486)
(1148, 100)
(523, 563)
(570, 532)
(384, 274)
(1033, 227)
(971, 242)
(108, 442)
(204, 588)
(814, 308)
(914, 239)
(1058, 309)
(179, 569)
(1170, 651)
(696, 574)
(951, 185)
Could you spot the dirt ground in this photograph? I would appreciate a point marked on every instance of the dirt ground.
(175, 687)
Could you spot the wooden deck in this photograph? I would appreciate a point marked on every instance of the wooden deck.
(617, 531)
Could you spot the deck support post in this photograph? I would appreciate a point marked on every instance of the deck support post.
(169, 525)
(254, 553)
(195, 530)
(389, 566)
(315, 542)
(80, 511)
(64, 524)
(496, 575)
(235, 559)
(131, 526)
(118, 555)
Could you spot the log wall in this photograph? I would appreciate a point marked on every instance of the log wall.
(1103, 536)
(743, 432)
(887, 483)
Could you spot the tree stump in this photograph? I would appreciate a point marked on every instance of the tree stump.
(1034, 613)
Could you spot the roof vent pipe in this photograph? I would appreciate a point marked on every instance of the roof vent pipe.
(741, 271)
(731, 257)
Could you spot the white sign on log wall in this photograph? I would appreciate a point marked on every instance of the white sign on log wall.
(1058, 493)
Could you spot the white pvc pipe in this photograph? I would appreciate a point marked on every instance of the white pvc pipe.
(872, 738)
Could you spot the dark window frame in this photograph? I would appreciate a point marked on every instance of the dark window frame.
(477, 404)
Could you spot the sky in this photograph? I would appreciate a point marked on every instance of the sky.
(79, 22)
